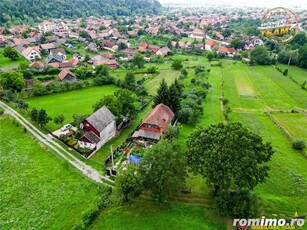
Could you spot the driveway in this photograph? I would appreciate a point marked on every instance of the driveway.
(59, 132)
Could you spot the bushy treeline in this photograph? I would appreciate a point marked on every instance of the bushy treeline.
(34, 10)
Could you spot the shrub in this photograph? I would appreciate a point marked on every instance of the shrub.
(90, 215)
(1, 111)
(185, 114)
(152, 69)
(103, 80)
(79, 226)
(184, 72)
(52, 70)
(299, 145)
(285, 73)
(242, 204)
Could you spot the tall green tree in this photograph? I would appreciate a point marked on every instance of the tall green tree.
(12, 80)
(229, 156)
(302, 56)
(59, 119)
(21, 104)
(126, 98)
(10, 53)
(102, 70)
(163, 169)
(84, 34)
(162, 95)
(237, 43)
(33, 114)
(112, 103)
(128, 186)
(138, 60)
(261, 56)
(43, 118)
(129, 81)
(174, 98)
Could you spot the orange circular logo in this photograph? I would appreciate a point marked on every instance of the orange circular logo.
(279, 25)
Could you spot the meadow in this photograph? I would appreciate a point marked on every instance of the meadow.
(72, 102)
(41, 190)
(298, 74)
(284, 192)
(294, 123)
(6, 62)
(261, 87)
(147, 215)
(169, 75)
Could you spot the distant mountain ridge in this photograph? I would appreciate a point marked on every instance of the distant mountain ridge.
(34, 10)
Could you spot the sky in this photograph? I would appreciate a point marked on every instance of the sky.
(255, 3)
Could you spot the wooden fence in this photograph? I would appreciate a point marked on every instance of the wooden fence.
(85, 155)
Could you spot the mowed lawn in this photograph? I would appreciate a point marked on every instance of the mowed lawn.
(147, 215)
(297, 73)
(294, 123)
(72, 102)
(168, 74)
(239, 87)
(6, 62)
(285, 191)
(261, 87)
(38, 190)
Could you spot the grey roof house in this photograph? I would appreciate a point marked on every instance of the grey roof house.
(98, 129)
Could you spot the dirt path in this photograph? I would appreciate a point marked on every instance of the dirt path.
(55, 147)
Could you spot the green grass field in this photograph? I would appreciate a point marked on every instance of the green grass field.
(72, 102)
(146, 215)
(285, 191)
(269, 88)
(294, 123)
(298, 74)
(153, 84)
(6, 62)
(38, 190)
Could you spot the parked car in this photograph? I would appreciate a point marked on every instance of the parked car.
(66, 127)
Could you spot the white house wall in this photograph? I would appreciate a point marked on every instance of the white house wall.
(107, 134)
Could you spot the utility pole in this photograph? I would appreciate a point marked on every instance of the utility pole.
(290, 59)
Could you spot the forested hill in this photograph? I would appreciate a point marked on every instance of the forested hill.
(34, 10)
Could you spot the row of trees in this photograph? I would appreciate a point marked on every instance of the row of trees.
(27, 10)
(221, 153)
(192, 101)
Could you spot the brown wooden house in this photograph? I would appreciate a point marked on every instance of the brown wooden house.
(66, 76)
(155, 124)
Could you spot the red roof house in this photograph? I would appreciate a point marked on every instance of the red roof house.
(155, 124)
(66, 76)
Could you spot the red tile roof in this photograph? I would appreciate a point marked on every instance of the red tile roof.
(63, 74)
(223, 49)
(211, 43)
(161, 116)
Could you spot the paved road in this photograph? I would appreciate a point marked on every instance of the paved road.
(58, 149)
